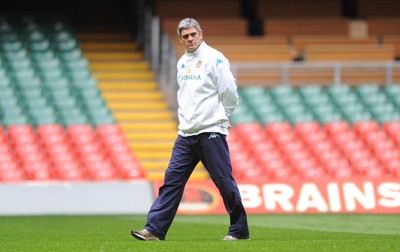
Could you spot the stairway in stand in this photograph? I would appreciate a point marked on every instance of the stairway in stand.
(130, 89)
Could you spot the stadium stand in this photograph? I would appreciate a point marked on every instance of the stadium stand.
(79, 102)
(315, 131)
(51, 108)
(128, 86)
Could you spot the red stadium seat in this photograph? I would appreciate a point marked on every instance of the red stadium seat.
(307, 128)
(333, 128)
(342, 137)
(266, 158)
(374, 171)
(241, 165)
(342, 172)
(292, 146)
(17, 130)
(284, 138)
(310, 172)
(250, 133)
(9, 165)
(297, 156)
(245, 129)
(391, 127)
(366, 127)
(375, 136)
(12, 175)
(313, 138)
(72, 175)
(69, 171)
(321, 147)
(260, 148)
(111, 129)
(284, 173)
(396, 172)
(391, 165)
(48, 129)
(127, 166)
(352, 147)
(273, 129)
(131, 170)
(73, 130)
(38, 170)
(273, 165)
(6, 155)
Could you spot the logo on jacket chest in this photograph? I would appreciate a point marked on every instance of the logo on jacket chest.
(191, 72)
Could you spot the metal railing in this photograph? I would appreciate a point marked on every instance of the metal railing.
(337, 69)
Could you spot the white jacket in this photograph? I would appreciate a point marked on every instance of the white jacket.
(207, 93)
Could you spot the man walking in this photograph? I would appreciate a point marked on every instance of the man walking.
(207, 96)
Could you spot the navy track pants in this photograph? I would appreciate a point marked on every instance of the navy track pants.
(212, 150)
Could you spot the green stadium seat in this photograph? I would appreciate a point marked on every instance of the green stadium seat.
(242, 114)
(73, 55)
(80, 74)
(16, 55)
(12, 46)
(17, 118)
(18, 65)
(39, 46)
(51, 74)
(43, 55)
(367, 89)
(332, 116)
(281, 91)
(4, 79)
(56, 84)
(310, 91)
(100, 116)
(393, 92)
(338, 90)
(90, 83)
(73, 116)
(46, 115)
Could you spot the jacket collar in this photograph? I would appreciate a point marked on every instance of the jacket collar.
(196, 52)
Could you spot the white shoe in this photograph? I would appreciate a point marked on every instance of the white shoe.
(233, 238)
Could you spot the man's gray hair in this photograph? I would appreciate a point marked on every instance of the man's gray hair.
(187, 23)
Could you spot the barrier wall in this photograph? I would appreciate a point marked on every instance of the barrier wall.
(294, 196)
(76, 198)
(202, 197)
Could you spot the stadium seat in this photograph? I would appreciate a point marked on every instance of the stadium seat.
(305, 129)
(393, 130)
(12, 175)
(333, 128)
(273, 129)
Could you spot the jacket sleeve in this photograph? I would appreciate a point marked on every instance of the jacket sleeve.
(226, 85)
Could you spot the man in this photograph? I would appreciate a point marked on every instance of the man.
(207, 96)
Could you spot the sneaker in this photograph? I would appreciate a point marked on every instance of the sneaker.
(144, 235)
(233, 238)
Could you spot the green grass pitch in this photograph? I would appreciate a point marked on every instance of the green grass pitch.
(323, 232)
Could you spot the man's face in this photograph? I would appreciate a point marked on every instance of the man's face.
(191, 38)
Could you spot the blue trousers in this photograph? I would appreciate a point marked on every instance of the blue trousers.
(212, 150)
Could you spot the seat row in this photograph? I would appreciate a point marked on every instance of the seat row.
(316, 103)
(74, 153)
(336, 150)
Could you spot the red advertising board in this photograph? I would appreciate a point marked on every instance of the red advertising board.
(276, 196)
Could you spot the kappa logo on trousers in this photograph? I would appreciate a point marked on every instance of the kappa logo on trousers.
(213, 135)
